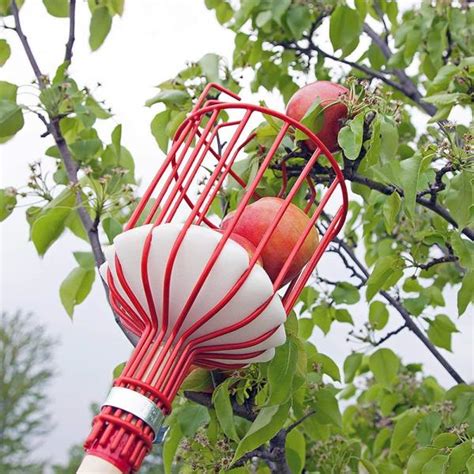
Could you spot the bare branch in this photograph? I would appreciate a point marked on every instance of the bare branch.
(389, 335)
(407, 86)
(26, 46)
(301, 420)
(403, 313)
(370, 72)
(205, 399)
(72, 27)
(437, 261)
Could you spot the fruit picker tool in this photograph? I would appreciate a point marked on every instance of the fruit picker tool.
(188, 291)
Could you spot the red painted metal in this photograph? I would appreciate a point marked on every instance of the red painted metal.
(164, 354)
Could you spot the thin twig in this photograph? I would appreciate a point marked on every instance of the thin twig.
(437, 261)
(72, 28)
(301, 420)
(389, 335)
(403, 313)
(407, 85)
(26, 46)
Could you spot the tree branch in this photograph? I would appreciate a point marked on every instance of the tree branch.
(388, 189)
(301, 420)
(407, 86)
(205, 399)
(26, 46)
(389, 335)
(72, 27)
(437, 261)
(52, 127)
(403, 313)
(370, 72)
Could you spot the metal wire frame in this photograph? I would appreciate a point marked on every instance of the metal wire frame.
(163, 355)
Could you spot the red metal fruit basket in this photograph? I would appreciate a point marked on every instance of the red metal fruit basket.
(183, 287)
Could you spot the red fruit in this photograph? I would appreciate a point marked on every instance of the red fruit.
(258, 217)
(243, 242)
(327, 92)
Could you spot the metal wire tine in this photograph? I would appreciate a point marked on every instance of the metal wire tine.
(197, 166)
(179, 178)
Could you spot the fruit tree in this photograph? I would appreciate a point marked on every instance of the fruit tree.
(393, 101)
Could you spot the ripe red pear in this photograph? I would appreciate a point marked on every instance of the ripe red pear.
(258, 217)
(245, 243)
(328, 93)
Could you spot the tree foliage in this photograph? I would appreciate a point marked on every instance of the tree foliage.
(407, 245)
(25, 371)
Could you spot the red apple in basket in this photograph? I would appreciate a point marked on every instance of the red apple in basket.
(329, 95)
(258, 217)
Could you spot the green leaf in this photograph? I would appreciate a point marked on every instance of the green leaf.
(470, 465)
(323, 316)
(267, 424)
(459, 456)
(351, 366)
(191, 417)
(4, 51)
(313, 119)
(350, 137)
(436, 465)
(345, 27)
(86, 150)
(8, 91)
(403, 427)
(281, 371)
(51, 221)
(345, 293)
(466, 292)
(391, 208)
(199, 380)
(445, 440)
(419, 458)
(224, 13)
(372, 156)
(384, 364)
(427, 427)
(224, 413)
(170, 446)
(158, 129)
(298, 20)
(464, 249)
(7, 202)
(388, 140)
(58, 8)
(376, 57)
(387, 271)
(169, 97)
(210, 66)
(11, 118)
(459, 198)
(343, 316)
(409, 176)
(118, 370)
(308, 297)
(440, 331)
(327, 408)
(112, 228)
(85, 260)
(100, 25)
(97, 109)
(75, 288)
(305, 328)
(295, 451)
(378, 315)
(329, 367)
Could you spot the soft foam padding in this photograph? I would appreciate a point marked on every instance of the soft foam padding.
(192, 257)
